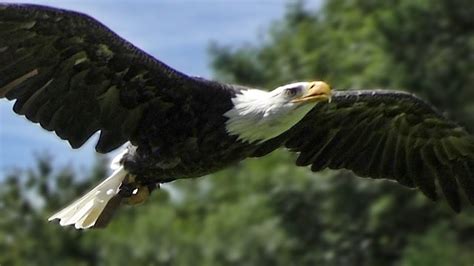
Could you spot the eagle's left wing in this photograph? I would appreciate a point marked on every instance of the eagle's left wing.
(387, 134)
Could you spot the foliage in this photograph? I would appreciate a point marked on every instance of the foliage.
(427, 250)
(26, 199)
(266, 211)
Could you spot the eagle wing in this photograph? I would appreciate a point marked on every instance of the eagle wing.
(387, 134)
(74, 76)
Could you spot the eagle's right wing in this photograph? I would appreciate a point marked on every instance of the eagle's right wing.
(72, 75)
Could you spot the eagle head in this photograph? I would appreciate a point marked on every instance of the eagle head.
(259, 115)
(302, 93)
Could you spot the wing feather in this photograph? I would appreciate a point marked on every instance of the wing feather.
(387, 134)
(74, 76)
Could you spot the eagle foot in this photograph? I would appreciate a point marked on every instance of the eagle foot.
(136, 193)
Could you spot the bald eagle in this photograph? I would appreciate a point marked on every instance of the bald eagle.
(74, 76)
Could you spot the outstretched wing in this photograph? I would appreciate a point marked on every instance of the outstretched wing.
(387, 134)
(74, 76)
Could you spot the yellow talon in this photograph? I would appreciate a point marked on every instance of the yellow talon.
(140, 194)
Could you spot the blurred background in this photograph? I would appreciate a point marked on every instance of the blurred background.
(265, 211)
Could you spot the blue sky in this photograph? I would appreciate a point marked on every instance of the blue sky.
(177, 32)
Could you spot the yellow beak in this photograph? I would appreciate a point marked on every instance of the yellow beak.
(317, 91)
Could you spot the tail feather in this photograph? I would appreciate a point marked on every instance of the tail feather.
(86, 211)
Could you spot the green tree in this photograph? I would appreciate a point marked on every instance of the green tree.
(27, 198)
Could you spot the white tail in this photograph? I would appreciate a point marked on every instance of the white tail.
(85, 212)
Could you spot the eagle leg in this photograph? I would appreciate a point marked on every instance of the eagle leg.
(136, 193)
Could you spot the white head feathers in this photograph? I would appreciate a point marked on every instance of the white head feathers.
(260, 115)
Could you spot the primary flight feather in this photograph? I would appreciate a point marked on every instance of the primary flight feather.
(74, 76)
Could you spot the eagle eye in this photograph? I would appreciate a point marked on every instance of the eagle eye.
(290, 92)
